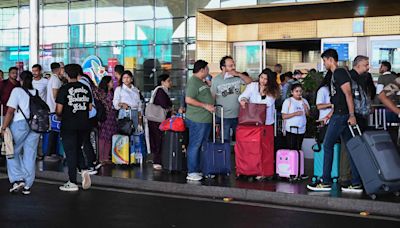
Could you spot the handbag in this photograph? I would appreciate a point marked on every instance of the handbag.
(175, 123)
(125, 125)
(155, 112)
(253, 114)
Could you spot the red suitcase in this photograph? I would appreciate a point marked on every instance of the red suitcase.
(254, 150)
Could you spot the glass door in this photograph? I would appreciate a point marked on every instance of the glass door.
(249, 57)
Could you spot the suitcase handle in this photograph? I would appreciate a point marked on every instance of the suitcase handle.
(352, 130)
(222, 123)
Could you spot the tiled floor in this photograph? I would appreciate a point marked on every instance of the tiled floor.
(147, 173)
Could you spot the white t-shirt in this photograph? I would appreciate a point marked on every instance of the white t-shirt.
(323, 97)
(19, 98)
(298, 121)
(54, 83)
(41, 86)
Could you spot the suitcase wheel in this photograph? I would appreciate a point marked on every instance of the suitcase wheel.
(385, 188)
(335, 180)
(397, 194)
(373, 196)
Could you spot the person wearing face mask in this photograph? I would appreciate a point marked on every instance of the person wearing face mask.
(225, 88)
(161, 98)
(294, 111)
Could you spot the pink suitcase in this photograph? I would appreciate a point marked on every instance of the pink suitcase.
(290, 163)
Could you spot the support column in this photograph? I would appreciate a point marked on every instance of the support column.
(33, 32)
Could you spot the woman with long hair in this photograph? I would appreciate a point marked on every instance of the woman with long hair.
(108, 128)
(265, 91)
(127, 99)
(161, 97)
(21, 168)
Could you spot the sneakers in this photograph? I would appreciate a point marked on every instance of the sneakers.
(69, 187)
(319, 187)
(353, 188)
(26, 191)
(97, 165)
(194, 177)
(86, 182)
(17, 186)
(157, 167)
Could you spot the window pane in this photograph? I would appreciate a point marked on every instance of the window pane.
(81, 12)
(9, 18)
(191, 23)
(8, 59)
(139, 32)
(109, 10)
(24, 17)
(23, 56)
(56, 14)
(170, 31)
(191, 55)
(140, 56)
(194, 5)
(139, 9)
(110, 34)
(47, 56)
(82, 35)
(8, 38)
(171, 56)
(55, 37)
(78, 55)
(170, 8)
(104, 53)
(24, 37)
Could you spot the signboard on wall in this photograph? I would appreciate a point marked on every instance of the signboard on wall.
(341, 48)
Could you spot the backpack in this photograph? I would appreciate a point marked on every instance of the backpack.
(39, 118)
(362, 102)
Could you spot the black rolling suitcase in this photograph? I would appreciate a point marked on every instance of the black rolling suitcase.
(377, 161)
(173, 149)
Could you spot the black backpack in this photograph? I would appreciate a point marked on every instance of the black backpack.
(39, 118)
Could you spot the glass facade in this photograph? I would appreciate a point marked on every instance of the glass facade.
(149, 37)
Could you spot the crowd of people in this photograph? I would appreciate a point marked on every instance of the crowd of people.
(78, 102)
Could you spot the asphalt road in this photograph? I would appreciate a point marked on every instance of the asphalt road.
(107, 207)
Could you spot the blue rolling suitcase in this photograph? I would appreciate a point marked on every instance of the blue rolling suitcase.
(216, 156)
(319, 162)
(377, 161)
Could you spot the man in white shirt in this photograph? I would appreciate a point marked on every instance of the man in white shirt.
(39, 83)
(53, 86)
(52, 90)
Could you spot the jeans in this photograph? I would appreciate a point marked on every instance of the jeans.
(134, 116)
(229, 123)
(22, 166)
(337, 127)
(198, 134)
(392, 117)
(72, 141)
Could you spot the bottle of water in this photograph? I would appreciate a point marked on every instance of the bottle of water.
(139, 157)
